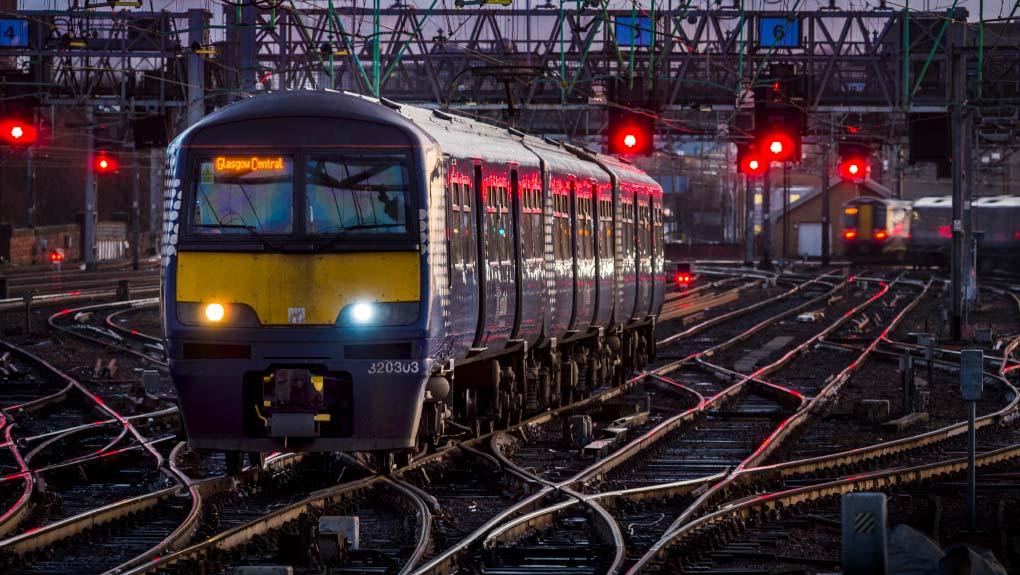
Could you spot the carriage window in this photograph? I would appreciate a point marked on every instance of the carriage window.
(454, 223)
(239, 195)
(357, 194)
(468, 199)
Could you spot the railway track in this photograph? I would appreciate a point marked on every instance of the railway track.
(636, 488)
(692, 439)
(836, 472)
(102, 324)
(61, 437)
(64, 529)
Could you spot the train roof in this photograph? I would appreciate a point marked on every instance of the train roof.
(456, 134)
(998, 202)
(310, 104)
(934, 202)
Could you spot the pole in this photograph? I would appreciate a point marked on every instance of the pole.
(959, 151)
(375, 48)
(155, 197)
(196, 65)
(766, 223)
(136, 236)
(786, 209)
(88, 247)
(749, 222)
(826, 226)
(972, 378)
(30, 175)
(249, 63)
(971, 467)
(967, 265)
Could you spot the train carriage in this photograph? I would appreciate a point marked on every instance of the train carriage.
(931, 230)
(876, 229)
(334, 264)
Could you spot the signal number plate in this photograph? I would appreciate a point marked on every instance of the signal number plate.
(388, 367)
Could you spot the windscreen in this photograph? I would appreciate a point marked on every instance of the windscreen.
(244, 194)
(357, 194)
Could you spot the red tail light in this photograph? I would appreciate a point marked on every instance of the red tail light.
(880, 235)
(850, 234)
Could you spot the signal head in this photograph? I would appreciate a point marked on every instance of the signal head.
(630, 133)
(105, 164)
(17, 132)
(853, 169)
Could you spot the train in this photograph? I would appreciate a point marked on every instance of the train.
(344, 273)
(882, 230)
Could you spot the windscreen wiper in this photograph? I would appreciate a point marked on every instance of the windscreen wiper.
(227, 226)
(340, 233)
(250, 229)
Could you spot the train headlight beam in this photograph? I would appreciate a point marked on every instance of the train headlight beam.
(362, 312)
(214, 312)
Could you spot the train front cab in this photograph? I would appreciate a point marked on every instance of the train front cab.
(295, 291)
(875, 229)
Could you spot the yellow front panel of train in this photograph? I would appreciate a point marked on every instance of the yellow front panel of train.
(864, 223)
(321, 284)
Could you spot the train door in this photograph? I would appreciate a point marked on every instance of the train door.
(562, 258)
(572, 251)
(461, 251)
(481, 249)
(517, 239)
(658, 254)
(500, 290)
(604, 253)
(864, 221)
(531, 264)
(628, 258)
(584, 192)
(644, 249)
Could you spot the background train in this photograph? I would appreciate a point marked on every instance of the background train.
(877, 230)
(342, 273)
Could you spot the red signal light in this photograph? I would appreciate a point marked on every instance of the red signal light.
(105, 164)
(630, 133)
(682, 279)
(18, 132)
(780, 147)
(56, 256)
(853, 169)
(750, 162)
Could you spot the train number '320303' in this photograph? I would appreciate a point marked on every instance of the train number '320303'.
(380, 367)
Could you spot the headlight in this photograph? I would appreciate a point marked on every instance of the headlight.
(364, 313)
(215, 313)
